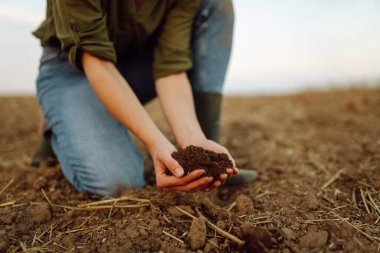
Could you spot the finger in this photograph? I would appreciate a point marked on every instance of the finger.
(197, 184)
(236, 171)
(215, 184)
(229, 173)
(170, 181)
(165, 181)
(223, 178)
(201, 188)
(220, 181)
(172, 165)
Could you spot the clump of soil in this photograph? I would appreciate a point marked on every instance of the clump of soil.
(244, 204)
(192, 158)
(197, 233)
(309, 202)
(40, 214)
(314, 239)
(257, 239)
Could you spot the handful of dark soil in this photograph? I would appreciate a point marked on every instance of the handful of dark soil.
(192, 158)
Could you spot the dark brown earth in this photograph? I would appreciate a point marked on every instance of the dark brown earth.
(317, 153)
(193, 158)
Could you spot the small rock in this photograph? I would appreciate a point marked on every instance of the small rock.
(288, 234)
(154, 223)
(68, 241)
(310, 202)
(197, 233)
(174, 211)
(314, 239)
(40, 214)
(244, 204)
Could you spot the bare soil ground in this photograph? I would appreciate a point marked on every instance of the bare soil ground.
(318, 155)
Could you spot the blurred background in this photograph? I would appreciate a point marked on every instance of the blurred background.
(279, 46)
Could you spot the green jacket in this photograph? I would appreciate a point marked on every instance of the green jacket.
(111, 29)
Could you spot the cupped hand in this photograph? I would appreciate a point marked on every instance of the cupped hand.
(217, 148)
(163, 161)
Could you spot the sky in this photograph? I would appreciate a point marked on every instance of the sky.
(279, 46)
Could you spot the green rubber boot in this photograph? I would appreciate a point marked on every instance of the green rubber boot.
(208, 108)
(44, 153)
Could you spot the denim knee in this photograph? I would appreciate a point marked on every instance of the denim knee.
(102, 174)
(106, 179)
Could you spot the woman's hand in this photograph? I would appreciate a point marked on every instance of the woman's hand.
(217, 148)
(163, 161)
(175, 95)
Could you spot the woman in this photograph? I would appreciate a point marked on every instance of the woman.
(103, 59)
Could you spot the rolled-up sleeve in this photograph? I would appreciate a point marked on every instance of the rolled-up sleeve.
(173, 50)
(81, 25)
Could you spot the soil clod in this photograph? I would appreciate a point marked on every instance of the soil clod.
(314, 239)
(257, 239)
(288, 234)
(68, 241)
(40, 214)
(197, 233)
(244, 204)
(192, 158)
(309, 202)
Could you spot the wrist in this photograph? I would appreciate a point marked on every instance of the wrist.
(158, 143)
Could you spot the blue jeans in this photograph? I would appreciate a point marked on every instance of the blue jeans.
(95, 151)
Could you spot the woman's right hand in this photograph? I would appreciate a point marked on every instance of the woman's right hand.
(163, 161)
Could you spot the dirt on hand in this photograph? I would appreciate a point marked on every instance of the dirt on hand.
(193, 158)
